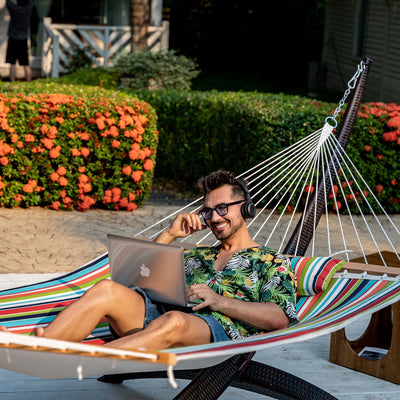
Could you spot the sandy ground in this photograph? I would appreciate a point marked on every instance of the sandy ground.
(38, 240)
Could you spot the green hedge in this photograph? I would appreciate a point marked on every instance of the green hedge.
(70, 147)
(203, 131)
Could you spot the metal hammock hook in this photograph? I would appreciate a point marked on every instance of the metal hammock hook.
(351, 84)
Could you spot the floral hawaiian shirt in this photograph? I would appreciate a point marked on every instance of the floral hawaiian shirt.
(256, 274)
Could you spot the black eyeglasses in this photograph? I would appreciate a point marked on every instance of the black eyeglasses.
(221, 209)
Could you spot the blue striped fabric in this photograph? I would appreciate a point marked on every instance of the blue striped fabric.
(345, 299)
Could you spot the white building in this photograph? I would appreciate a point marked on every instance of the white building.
(98, 27)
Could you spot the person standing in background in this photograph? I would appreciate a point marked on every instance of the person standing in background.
(18, 34)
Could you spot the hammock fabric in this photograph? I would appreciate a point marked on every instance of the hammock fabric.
(347, 296)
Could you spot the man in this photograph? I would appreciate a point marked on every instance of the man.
(244, 288)
(18, 33)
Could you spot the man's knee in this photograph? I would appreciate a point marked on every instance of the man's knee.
(173, 323)
(105, 288)
(176, 328)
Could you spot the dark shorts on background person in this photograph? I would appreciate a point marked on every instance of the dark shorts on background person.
(17, 50)
(155, 310)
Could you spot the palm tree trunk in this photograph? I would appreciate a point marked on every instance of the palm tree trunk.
(140, 17)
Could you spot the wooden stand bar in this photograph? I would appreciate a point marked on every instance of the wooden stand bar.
(383, 331)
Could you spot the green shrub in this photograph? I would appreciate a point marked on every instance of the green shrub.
(155, 70)
(204, 131)
(75, 150)
(78, 59)
(104, 77)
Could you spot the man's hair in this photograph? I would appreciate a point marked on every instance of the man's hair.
(22, 2)
(220, 178)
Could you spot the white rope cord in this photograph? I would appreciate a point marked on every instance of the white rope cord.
(287, 159)
(373, 195)
(307, 199)
(331, 180)
(287, 151)
(301, 171)
(356, 183)
(285, 165)
(280, 181)
(296, 205)
(328, 232)
(319, 161)
(168, 217)
(342, 169)
(321, 137)
(302, 166)
(298, 174)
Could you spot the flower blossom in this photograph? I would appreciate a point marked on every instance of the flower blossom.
(29, 138)
(61, 170)
(55, 152)
(148, 164)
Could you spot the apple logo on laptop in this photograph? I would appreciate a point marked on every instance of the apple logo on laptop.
(144, 271)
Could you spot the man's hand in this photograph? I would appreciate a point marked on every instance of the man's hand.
(182, 226)
(201, 291)
(265, 316)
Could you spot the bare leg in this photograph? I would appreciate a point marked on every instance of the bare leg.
(28, 73)
(12, 72)
(172, 329)
(123, 307)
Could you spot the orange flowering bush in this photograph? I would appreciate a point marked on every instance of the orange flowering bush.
(76, 152)
(378, 151)
(374, 147)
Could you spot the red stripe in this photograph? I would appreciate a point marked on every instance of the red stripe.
(57, 287)
(35, 308)
(298, 333)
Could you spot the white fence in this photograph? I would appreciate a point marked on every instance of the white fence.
(99, 43)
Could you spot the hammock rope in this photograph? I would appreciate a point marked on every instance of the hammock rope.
(283, 184)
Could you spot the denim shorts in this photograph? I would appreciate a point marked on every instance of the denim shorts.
(155, 310)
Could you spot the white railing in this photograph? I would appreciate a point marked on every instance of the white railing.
(99, 43)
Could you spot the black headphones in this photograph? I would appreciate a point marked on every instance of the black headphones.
(248, 209)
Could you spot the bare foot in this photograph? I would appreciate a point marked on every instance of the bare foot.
(39, 332)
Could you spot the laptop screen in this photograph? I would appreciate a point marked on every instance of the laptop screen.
(157, 268)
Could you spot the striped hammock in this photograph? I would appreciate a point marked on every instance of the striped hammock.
(347, 297)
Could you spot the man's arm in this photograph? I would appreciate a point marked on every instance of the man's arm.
(182, 226)
(266, 316)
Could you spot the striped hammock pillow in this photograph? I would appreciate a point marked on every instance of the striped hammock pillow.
(314, 273)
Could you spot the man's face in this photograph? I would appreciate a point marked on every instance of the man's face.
(224, 227)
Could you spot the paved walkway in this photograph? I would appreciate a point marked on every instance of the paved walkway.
(37, 240)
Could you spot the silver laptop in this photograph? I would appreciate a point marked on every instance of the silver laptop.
(157, 268)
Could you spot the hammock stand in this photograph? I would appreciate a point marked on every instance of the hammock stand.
(212, 367)
(382, 332)
(240, 371)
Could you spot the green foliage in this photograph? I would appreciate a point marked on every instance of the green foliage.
(104, 77)
(70, 147)
(78, 59)
(204, 131)
(155, 70)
